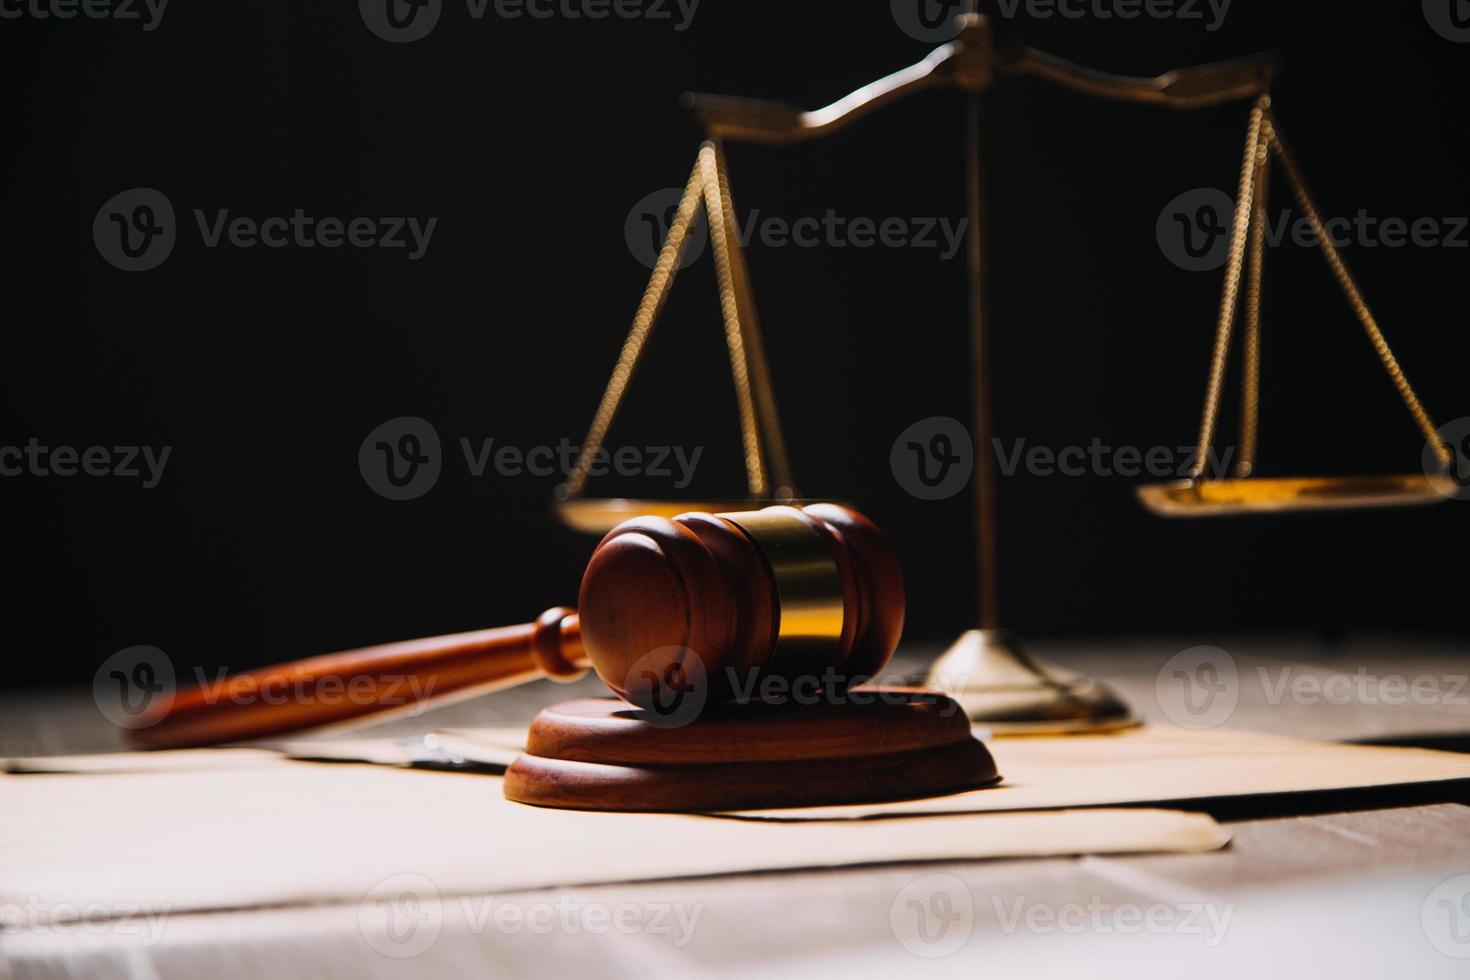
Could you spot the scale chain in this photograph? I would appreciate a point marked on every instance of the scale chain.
(1250, 384)
(764, 391)
(1263, 138)
(1354, 296)
(1230, 295)
(720, 239)
(649, 307)
(755, 397)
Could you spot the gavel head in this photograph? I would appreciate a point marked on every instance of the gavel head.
(729, 602)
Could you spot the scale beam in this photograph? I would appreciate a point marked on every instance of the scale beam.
(971, 63)
(1183, 88)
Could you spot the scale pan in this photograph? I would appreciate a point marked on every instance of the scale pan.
(1288, 494)
(599, 515)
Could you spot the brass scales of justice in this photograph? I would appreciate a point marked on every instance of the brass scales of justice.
(1003, 686)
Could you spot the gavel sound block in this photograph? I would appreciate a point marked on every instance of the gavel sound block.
(738, 643)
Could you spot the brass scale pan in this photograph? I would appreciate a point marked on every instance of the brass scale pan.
(1244, 493)
(1289, 494)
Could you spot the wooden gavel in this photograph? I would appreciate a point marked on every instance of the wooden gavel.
(785, 592)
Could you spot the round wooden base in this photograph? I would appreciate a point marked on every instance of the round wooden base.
(878, 744)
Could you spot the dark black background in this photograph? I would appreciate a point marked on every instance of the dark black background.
(530, 141)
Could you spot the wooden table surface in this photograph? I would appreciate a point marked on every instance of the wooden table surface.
(1372, 891)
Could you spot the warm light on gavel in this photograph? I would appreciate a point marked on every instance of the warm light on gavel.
(783, 592)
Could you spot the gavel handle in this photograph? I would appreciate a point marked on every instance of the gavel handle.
(339, 687)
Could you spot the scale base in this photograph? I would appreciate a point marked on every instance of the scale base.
(1012, 693)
